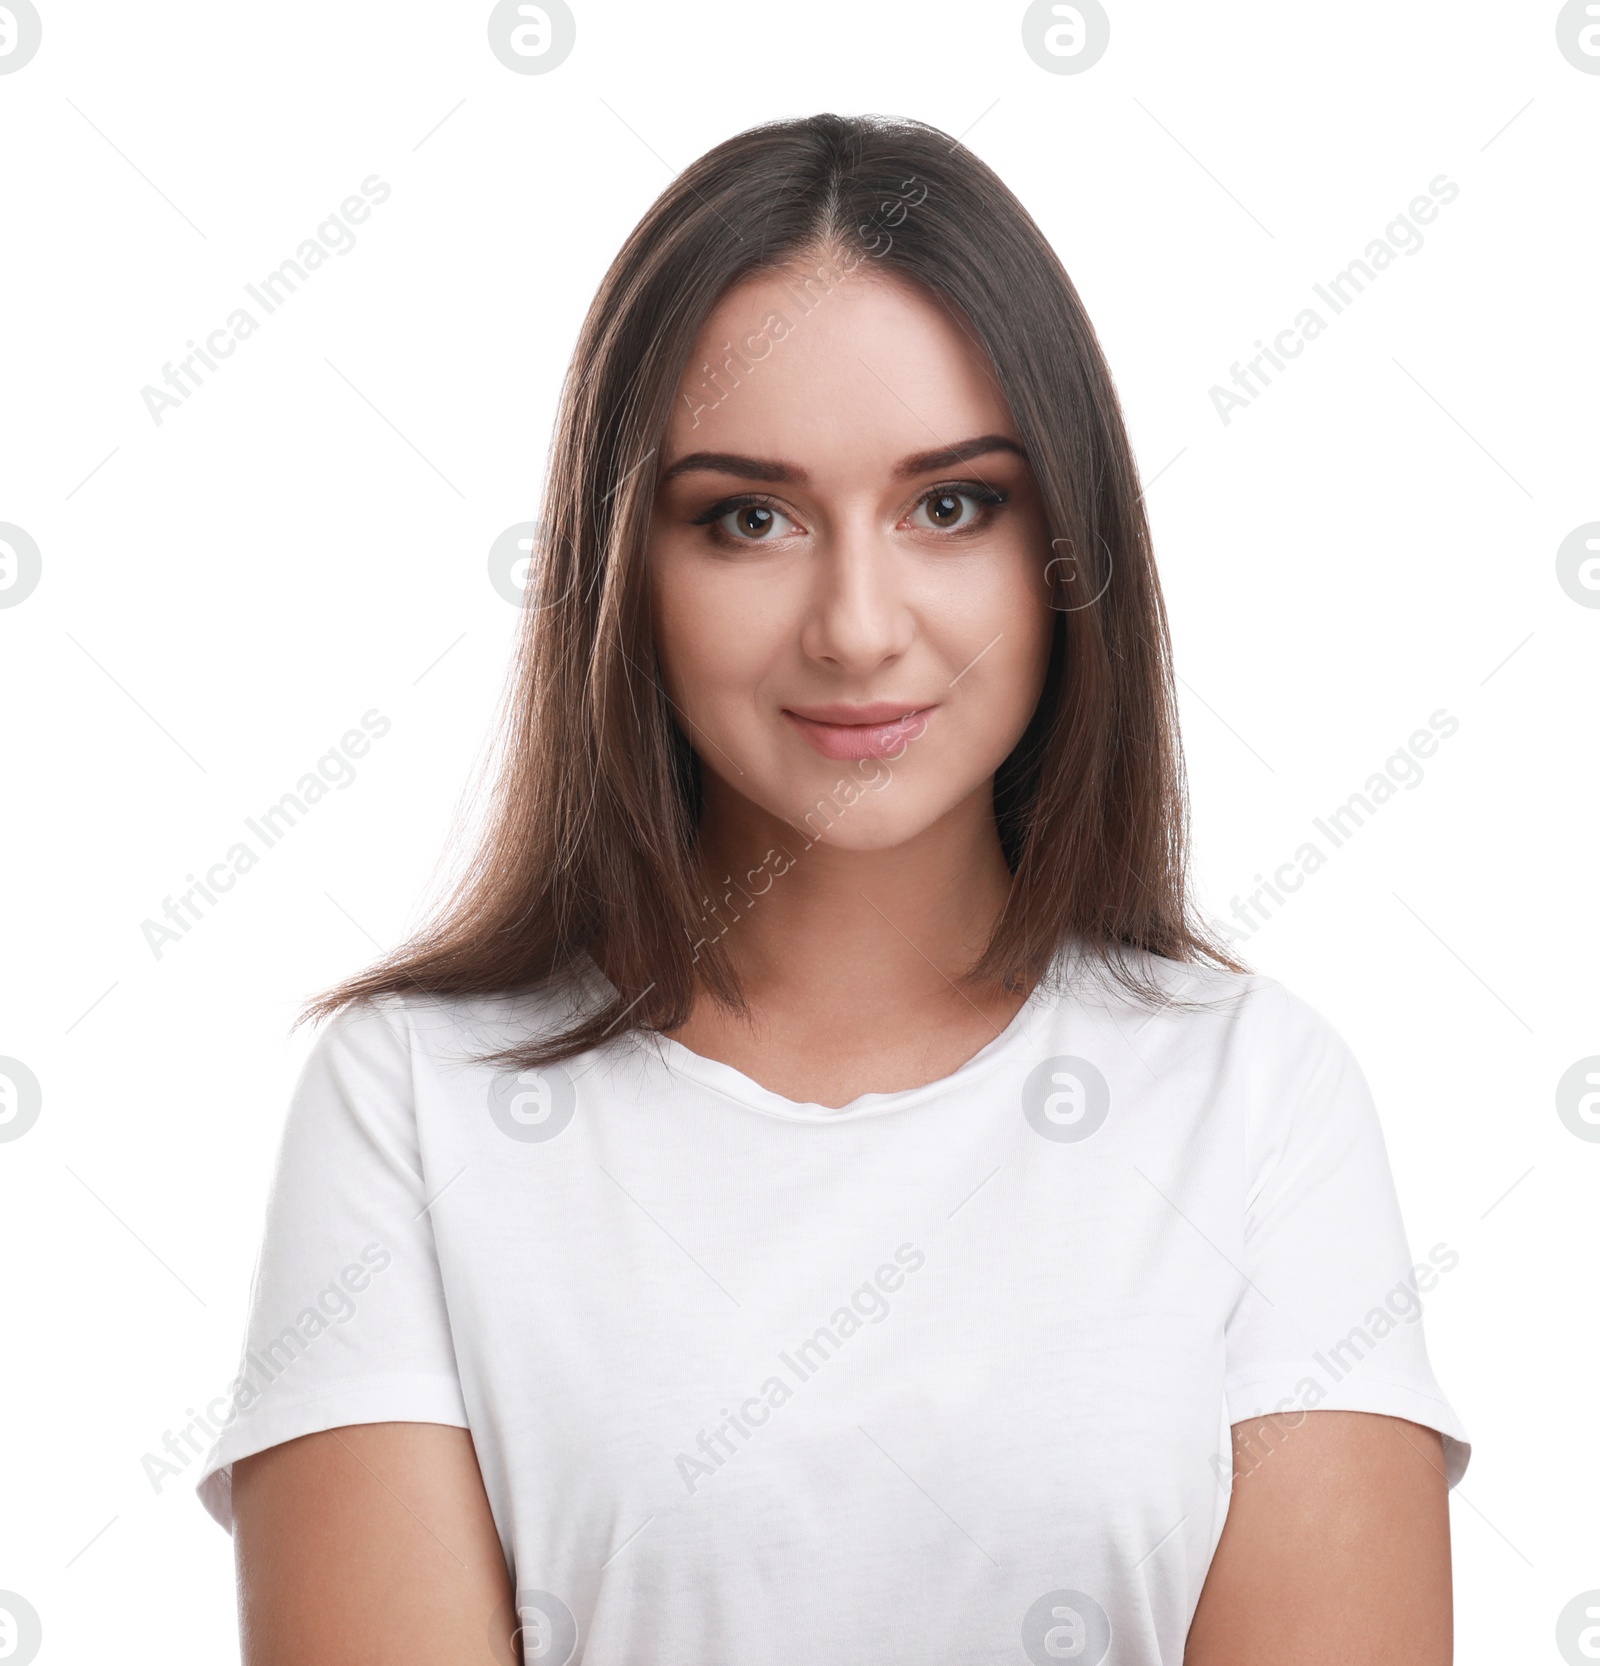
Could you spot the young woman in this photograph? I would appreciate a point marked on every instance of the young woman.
(815, 1193)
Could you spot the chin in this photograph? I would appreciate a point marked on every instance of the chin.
(876, 820)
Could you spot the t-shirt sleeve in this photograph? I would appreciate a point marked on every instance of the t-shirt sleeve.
(347, 1317)
(1330, 1313)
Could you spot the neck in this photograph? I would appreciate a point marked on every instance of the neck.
(812, 921)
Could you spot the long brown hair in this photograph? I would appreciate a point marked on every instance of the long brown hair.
(589, 847)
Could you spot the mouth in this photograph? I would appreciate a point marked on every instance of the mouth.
(881, 729)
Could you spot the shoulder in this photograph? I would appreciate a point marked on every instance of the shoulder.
(450, 1030)
(387, 1076)
(1193, 997)
(1192, 1027)
(1285, 1048)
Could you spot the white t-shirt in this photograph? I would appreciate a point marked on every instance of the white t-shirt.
(943, 1375)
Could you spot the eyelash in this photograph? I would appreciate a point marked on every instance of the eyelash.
(988, 497)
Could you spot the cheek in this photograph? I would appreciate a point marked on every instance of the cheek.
(1042, 621)
(713, 639)
(997, 637)
(1016, 681)
(1031, 619)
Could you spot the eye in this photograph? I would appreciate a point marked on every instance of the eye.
(753, 523)
(948, 508)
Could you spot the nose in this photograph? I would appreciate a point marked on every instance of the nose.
(859, 615)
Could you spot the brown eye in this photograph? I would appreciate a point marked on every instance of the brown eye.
(753, 523)
(946, 511)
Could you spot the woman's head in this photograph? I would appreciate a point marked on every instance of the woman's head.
(850, 610)
(853, 300)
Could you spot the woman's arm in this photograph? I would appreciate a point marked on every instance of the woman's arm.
(1336, 1548)
(371, 1545)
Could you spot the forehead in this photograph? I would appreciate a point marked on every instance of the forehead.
(840, 378)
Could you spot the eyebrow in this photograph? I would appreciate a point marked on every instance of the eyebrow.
(763, 468)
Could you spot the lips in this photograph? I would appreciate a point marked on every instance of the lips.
(879, 729)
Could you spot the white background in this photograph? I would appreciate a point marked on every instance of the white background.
(225, 593)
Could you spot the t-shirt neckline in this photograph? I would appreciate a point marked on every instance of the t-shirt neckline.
(734, 1084)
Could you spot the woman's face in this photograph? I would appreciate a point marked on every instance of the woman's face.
(847, 560)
